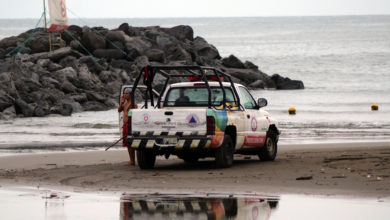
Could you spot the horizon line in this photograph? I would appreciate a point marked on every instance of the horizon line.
(266, 16)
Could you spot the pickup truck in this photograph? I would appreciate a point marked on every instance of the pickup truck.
(198, 112)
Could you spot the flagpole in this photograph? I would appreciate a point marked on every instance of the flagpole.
(44, 10)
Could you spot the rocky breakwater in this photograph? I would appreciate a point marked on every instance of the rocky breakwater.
(37, 82)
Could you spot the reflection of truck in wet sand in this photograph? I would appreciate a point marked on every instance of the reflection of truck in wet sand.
(179, 207)
(207, 116)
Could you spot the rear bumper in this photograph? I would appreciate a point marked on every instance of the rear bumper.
(159, 143)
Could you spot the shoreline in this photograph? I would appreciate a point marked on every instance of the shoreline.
(347, 170)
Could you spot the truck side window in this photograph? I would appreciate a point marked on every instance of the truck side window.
(247, 99)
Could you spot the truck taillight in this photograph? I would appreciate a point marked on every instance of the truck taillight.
(129, 126)
(210, 125)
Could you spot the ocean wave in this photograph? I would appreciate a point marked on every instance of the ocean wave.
(96, 126)
(83, 134)
(336, 125)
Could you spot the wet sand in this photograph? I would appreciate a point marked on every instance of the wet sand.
(357, 170)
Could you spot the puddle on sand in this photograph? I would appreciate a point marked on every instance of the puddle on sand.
(196, 207)
(47, 204)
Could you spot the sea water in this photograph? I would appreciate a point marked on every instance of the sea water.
(344, 62)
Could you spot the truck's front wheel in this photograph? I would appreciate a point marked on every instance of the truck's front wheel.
(270, 149)
(146, 159)
(224, 154)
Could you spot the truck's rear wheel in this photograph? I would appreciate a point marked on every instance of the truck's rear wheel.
(270, 149)
(146, 159)
(224, 154)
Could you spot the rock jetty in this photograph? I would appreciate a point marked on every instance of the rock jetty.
(70, 79)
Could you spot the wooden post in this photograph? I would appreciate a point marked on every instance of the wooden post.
(44, 10)
(50, 33)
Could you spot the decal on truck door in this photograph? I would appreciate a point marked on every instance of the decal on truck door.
(254, 124)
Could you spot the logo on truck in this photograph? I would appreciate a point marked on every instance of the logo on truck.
(192, 120)
(146, 118)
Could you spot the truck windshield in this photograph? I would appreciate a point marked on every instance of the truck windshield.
(198, 96)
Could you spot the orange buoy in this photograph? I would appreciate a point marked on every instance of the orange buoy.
(374, 107)
(292, 111)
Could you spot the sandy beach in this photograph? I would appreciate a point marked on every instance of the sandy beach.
(355, 169)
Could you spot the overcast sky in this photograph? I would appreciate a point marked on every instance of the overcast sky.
(198, 8)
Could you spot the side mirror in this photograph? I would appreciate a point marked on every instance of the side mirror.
(262, 102)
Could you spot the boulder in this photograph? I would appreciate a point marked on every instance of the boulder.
(81, 97)
(122, 64)
(108, 54)
(94, 106)
(39, 44)
(106, 76)
(43, 62)
(37, 56)
(176, 52)
(73, 31)
(8, 113)
(155, 55)
(92, 64)
(11, 42)
(28, 85)
(124, 76)
(58, 54)
(205, 49)
(94, 96)
(233, 62)
(141, 61)
(123, 27)
(67, 73)
(111, 103)
(68, 87)
(54, 67)
(62, 109)
(76, 107)
(5, 78)
(2, 53)
(164, 42)
(139, 44)
(258, 84)
(5, 100)
(113, 36)
(93, 41)
(42, 109)
(49, 82)
(250, 65)
(181, 32)
(21, 107)
(286, 83)
(117, 45)
(75, 46)
(244, 75)
(69, 61)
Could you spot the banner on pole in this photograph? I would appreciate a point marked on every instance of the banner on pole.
(58, 16)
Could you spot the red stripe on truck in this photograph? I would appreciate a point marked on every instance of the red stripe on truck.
(254, 140)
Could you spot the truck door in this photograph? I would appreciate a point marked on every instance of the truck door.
(254, 137)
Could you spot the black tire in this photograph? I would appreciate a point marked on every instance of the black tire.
(270, 149)
(190, 159)
(224, 154)
(146, 159)
(230, 206)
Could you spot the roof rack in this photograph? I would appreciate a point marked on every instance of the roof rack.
(148, 73)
